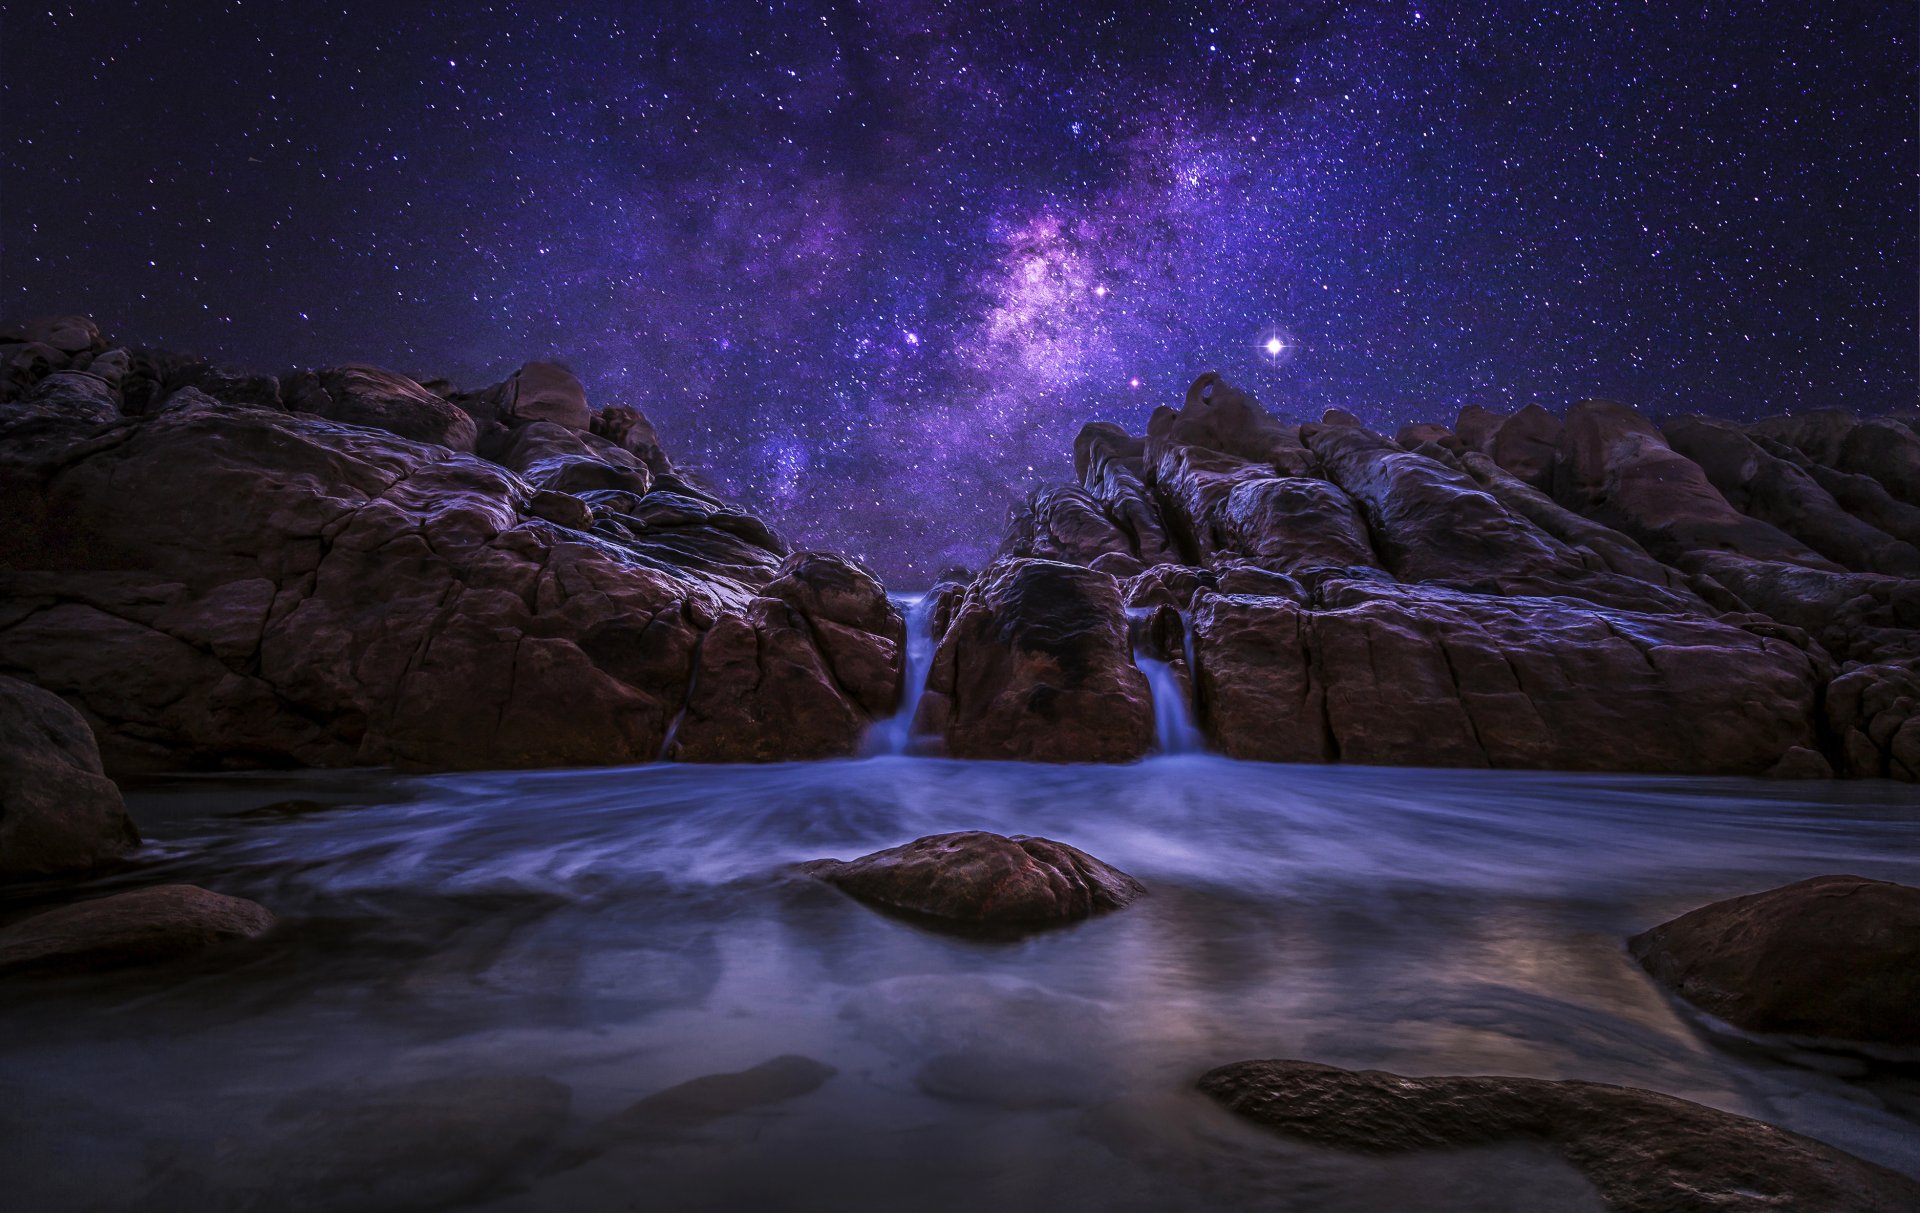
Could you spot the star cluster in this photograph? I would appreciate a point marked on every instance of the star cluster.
(869, 265)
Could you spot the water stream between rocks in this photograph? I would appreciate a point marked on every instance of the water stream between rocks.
(484, 984)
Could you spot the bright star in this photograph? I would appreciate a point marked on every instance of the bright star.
(1274, 346)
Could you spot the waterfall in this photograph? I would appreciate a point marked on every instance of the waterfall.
(1173, 727)
(895, 734)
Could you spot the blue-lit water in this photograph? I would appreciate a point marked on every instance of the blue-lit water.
(594, 937)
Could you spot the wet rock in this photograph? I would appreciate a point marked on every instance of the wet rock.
(1834, 957)
(1035, 665)
(146, 926)
(384, 602)
(1645, 1152)
(976, 878)
(1405, 675)
(59, 812)
(381, 400)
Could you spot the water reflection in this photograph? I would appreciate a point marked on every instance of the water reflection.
(458, 949)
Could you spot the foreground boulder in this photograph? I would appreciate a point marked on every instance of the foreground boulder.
(1835, 958)
(1644, 1152)
(224, 583)
(980, 879)
(1035, 664)
(58, 812)
(146, 926)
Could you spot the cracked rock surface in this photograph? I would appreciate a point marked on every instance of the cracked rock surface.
(227, 582)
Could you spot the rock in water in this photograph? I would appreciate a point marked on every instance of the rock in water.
(1835, 958)
(58, 812)
(1645, 1152)
(145, 926)
(982, 879)
(1035, 664)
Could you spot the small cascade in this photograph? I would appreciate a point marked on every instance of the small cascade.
(1173, 727)
(895, 734)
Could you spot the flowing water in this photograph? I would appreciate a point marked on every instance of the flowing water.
(895, 735)
(484, 983)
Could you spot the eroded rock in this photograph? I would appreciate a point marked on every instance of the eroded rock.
(1834, 957)
(59, 813)
(975, 878)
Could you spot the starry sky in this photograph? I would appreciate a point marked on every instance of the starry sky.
(868, 265)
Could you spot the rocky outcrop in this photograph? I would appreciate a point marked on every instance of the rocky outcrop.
(1522, 591)
(1836, 958)
(1034, 663)
(59, 813)
(147, 926)
(978, 879)
(221, 583)
(382, 400)
(1644, 1152)
(1414, 675)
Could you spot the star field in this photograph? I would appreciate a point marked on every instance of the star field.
(869, 266)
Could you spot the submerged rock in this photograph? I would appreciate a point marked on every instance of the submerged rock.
(1645, 1152)
(146, 926)
(59, 812)
(1834, 958)
(981, 879)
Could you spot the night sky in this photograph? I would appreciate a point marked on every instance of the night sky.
(868, 266)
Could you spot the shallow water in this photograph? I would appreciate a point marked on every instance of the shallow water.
(478, 974)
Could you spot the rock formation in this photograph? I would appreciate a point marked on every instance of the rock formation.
(1592, 593)
(974, 878)
(1644, 1152)
(59, 813)
(346, 568)
(1835, 958)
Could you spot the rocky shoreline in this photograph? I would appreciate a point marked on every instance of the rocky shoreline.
(347, 567)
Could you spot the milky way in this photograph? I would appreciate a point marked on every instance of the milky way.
(869, 266)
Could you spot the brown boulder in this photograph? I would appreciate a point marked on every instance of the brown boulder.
(381, 400)
(1035, 665)
(981, 879)
(1645, 1152)
(58, 812)
(146, 926)
(1527, 445)
(1834, 958)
